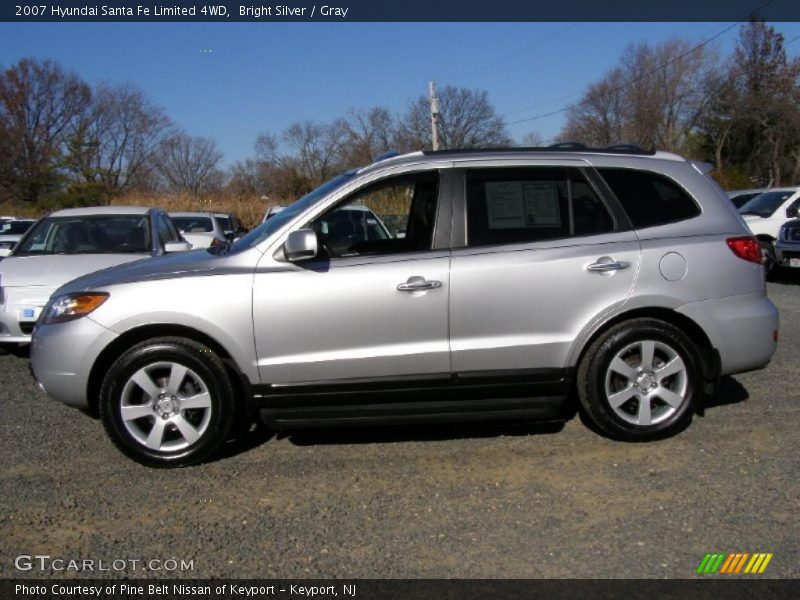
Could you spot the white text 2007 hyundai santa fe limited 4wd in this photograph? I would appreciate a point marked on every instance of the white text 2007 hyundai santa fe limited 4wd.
(433, 286)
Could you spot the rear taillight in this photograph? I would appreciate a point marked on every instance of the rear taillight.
(747, 248)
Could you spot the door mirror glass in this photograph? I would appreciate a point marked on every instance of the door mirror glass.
(177, 247)
(301, 245)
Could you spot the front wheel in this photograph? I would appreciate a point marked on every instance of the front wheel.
(640, 380)
(768, 258)
(167, 402)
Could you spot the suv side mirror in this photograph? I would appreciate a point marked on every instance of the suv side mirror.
(792, 212)
(177, 247)
(301, 245)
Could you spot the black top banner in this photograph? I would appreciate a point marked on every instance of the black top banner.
(403, 10)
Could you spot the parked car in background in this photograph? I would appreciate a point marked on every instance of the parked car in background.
(271, 212)
(766, 213)
(787, 247)
(739, 197)
(68, 244)
(524, 278)
(232, 227)
(11, 232)
(200, 229)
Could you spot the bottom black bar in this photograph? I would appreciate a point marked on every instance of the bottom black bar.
(712, 587)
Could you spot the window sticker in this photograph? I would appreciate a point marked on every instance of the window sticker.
(519, 205)
(505, 204)
(541, 204)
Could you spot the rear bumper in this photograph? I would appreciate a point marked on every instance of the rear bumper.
(62, 357)
(741, 329)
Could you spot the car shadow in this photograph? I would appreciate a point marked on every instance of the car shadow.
(729, 391)
(428, 432)
(245, 440)
(18, 350)
(785, 277)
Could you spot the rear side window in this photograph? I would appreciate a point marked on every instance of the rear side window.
(518, 206)
(650, 199)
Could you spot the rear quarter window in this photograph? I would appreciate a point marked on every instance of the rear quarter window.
(650, 199)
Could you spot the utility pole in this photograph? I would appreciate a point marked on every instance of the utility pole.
(434, 114)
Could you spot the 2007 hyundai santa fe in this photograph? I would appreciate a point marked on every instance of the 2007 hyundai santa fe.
(431, 286)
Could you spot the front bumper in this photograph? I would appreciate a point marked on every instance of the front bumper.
(785, 252)
(62, 357)
(19, 310)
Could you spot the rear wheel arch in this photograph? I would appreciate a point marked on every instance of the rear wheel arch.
(708, 354)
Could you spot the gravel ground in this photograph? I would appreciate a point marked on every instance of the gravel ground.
(471, 501)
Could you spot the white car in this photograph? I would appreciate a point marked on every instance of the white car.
(200, 229)
(766, 213)
(231, 225)
(11, 232)
(68, 244)
(271, 212)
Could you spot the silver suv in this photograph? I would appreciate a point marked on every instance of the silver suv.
(467, 285)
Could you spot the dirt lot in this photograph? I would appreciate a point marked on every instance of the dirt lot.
(461, 501)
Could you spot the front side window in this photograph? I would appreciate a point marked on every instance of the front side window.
(388, 217)
(517, 206)
(94, 234)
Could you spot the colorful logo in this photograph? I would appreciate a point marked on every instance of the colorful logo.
(734, 563)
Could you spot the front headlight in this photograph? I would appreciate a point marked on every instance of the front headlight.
(72, 306)
(783, 234)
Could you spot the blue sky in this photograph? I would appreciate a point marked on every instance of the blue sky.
(261, 77)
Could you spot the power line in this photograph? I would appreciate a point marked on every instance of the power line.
(513, 54)
(654, 70)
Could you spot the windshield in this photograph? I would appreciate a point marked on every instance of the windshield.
(765, 204)
(193, 224)
(274, 223)
(93, 234)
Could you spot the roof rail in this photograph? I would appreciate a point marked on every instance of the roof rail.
(560, 147)
(386, 155)
(574, 146)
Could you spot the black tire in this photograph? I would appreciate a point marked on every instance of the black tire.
(205, 375)
(768, 258)
(596, 376)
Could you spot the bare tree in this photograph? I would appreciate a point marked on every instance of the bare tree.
(188, 164)
(114, 142)
(766, 85)
(368, 133)
(532, 139)
(316, 149)
(655, 98)
(467, 119)
(599, 118)
(40, 104)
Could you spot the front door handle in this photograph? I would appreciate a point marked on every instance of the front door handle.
(607, 266)
(417, 284)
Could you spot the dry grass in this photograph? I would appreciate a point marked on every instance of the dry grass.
(249, 210)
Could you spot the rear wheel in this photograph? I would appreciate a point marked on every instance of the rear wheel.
(640, 380)
(167, 402)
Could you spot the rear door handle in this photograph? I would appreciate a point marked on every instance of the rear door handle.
(607, 266)
(415, 284)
